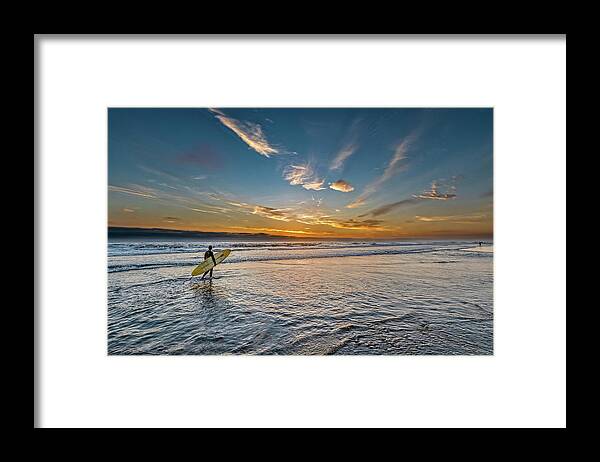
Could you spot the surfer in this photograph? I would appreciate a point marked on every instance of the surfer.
(209, 254)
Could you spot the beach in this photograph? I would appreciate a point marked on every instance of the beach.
(301, 298)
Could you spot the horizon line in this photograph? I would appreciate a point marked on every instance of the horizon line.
(225, 233)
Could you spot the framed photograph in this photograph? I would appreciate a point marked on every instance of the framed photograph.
(319, 231)
(300, 231)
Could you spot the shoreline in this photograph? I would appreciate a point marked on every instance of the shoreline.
(483, 249)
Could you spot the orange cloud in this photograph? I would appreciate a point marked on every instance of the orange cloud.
(303, 175)
(341, 185)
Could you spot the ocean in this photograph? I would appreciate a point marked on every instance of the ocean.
(301, 298)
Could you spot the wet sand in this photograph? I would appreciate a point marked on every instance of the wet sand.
(433, 303)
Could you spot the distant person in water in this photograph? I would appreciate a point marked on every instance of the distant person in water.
(209, 254)
(480, 243)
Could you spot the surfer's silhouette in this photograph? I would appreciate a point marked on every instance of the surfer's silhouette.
(209, 254)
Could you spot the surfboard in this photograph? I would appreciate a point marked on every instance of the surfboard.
(208, 264)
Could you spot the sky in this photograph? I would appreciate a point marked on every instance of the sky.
(381, 173)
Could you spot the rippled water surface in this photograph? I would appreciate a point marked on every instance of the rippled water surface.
(359, 298)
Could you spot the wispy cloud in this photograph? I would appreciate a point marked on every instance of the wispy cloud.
(274, 230)
(250, 133)
(273, 213)
(338, 161)
(206, 211)
(263, 211)
(316, 185)
(449, 192)
(142, 192)
(394, 165)
(435, 191)
(312, 217)
(387, 208)
(303, 175)
(238, 204)
(343, 223)
(174, 200)
(159, 173)
(460, 219)
(350, 145)
(357, 202)
(352, 223)
(341, 185)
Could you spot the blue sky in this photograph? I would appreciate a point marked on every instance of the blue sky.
(379, 173)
